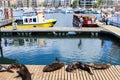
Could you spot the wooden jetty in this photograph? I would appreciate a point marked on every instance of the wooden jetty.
(113, 73)
(5, 22)
(64, 30)
(59, 31)
(109, 28)
(54, 29)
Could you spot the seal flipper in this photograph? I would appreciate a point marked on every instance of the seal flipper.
(19, 74)
(86, 68)
(3, 69)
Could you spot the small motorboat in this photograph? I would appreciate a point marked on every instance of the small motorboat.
(88, 21)
(32, 20)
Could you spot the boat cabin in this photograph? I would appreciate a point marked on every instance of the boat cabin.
(30, 20)
(33, 18)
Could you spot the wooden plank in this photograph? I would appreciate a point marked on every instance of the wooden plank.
(68, 76)
(77, 74)
(113, 73)
(65, 73)
(54, 29)
(40, 73)
(116, 72)
(107, 74)
(97, 75)
(113, 29)
(80, 74)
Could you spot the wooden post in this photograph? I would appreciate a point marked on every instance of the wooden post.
(1, 51)
(6, 13)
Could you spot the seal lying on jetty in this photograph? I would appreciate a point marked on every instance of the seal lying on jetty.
(99, 65)
(54, 66)
(4, 68)
(23, 72)
(78, 65)
(73, 66)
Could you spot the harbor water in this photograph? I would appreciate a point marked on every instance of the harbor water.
(43, 50)
(36, 50)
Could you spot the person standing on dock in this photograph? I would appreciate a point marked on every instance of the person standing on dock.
(81, 22)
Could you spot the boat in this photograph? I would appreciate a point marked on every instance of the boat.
(88, 21)
(32, 20)
(115, 19)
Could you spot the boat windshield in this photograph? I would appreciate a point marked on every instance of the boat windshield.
(30, 14)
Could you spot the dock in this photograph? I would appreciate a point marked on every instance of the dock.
(113, 73)
(5, 22)
(62, 31)
(54, 29)
(109, 28)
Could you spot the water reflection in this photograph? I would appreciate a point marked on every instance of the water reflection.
(44, 50)
(4, 60)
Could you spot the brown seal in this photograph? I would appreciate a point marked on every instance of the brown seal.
(54, 66)
(99, 65)
(23, 72)
(78, 65)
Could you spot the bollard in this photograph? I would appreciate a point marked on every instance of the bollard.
(14, 25)
(96, 34)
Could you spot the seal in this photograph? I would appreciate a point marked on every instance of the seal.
(73, 66)
(5, 69)
(53, 66)
(23, 71)
(85, 67)
(78, 65)
(99, 65)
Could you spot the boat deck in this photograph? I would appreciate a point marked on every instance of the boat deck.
(113, 73)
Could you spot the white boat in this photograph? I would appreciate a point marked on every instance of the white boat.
(115, 19)
(33, 20)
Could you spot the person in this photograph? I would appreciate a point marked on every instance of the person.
(106, 19)
(103, 18)
(95, 19)
(81, 22)
(30, 20)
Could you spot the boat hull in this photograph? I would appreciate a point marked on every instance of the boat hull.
(46, 24)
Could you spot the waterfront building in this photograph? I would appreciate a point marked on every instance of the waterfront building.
(28, 3)
(109, 3)
(56, 3)
(5, 3)
(91, 3)
(87, 3)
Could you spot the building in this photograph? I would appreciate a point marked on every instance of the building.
(5, 3)
(87, 3)
(109, 3)
(28, 3)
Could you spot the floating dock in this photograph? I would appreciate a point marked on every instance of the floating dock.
(64, 30)
(113, 73)
(109, 28)
(5, 22)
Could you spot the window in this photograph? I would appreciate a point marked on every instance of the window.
(34, 19)
(25, 20)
